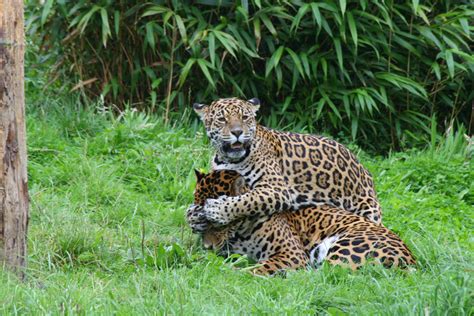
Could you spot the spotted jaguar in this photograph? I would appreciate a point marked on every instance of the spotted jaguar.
(284, 170)
(301, 238)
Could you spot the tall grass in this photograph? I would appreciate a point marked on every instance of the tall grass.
(375, 71)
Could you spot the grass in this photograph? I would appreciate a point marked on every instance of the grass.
(107, 232)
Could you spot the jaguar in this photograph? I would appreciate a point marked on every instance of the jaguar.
(301, 238)
(284, 170)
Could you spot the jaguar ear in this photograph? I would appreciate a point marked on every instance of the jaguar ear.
(255, 102)
(200, 109)
(199, 175)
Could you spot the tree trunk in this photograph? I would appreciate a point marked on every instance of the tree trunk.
(13, 177)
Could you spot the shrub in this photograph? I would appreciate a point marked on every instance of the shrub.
(377, 71)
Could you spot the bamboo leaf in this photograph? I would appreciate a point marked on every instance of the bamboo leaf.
(268, 24)
(427, 33)
(435, 67)
(227, 41)
(326, 27)
(244, 41)
(405, 44)
(320, 107)
(117, 22)
(305, 61)
(337, 45)
(449, 62)
(343, 4)
(330, 103)
(295, 78)
(185, 71)
(279, 76)
(211, 39)
(330, 6)
(301, 12)
(403, 83)
(167, 17)
(354, 127)
(204, 68)
(257, 31)
(324, 65)
(469, 58)
(150, 36)
(105, 26)
(347, 108)
(316, 13)
(465, 26)
(85, 19)
(450, 42)
(274, 60)
(154, 10)
(456, 35)
(245, 5)
(296, 60)
(181, 28)
(422, 15)
(46, 10)
(352, 27)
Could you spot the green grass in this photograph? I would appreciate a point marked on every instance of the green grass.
(107, 232)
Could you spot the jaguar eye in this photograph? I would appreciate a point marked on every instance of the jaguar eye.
(245, 117)
(221, 119)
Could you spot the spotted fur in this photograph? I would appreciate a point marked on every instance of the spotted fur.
(285, 171)
(291, 240)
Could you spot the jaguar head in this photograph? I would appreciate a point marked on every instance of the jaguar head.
(230, 125)
(211, 186)
(218, 183)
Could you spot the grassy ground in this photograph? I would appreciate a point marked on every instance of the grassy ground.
(107, 231)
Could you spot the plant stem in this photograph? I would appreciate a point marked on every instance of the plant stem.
(170, 79)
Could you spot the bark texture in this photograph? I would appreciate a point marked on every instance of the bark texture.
(13, 177)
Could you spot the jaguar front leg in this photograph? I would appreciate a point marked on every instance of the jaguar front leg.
(263, 200)
(196, 218)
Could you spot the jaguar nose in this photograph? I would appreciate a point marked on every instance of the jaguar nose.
(237, 132)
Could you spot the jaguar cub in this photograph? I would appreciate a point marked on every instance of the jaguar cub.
(285, 171)
(291, 240)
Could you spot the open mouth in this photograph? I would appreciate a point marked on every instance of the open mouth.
(234, 148)
(237, 146)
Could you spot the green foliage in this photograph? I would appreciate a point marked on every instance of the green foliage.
(376, 71)
(107, 232)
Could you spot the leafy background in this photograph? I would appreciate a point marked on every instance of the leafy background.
(383, 73)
